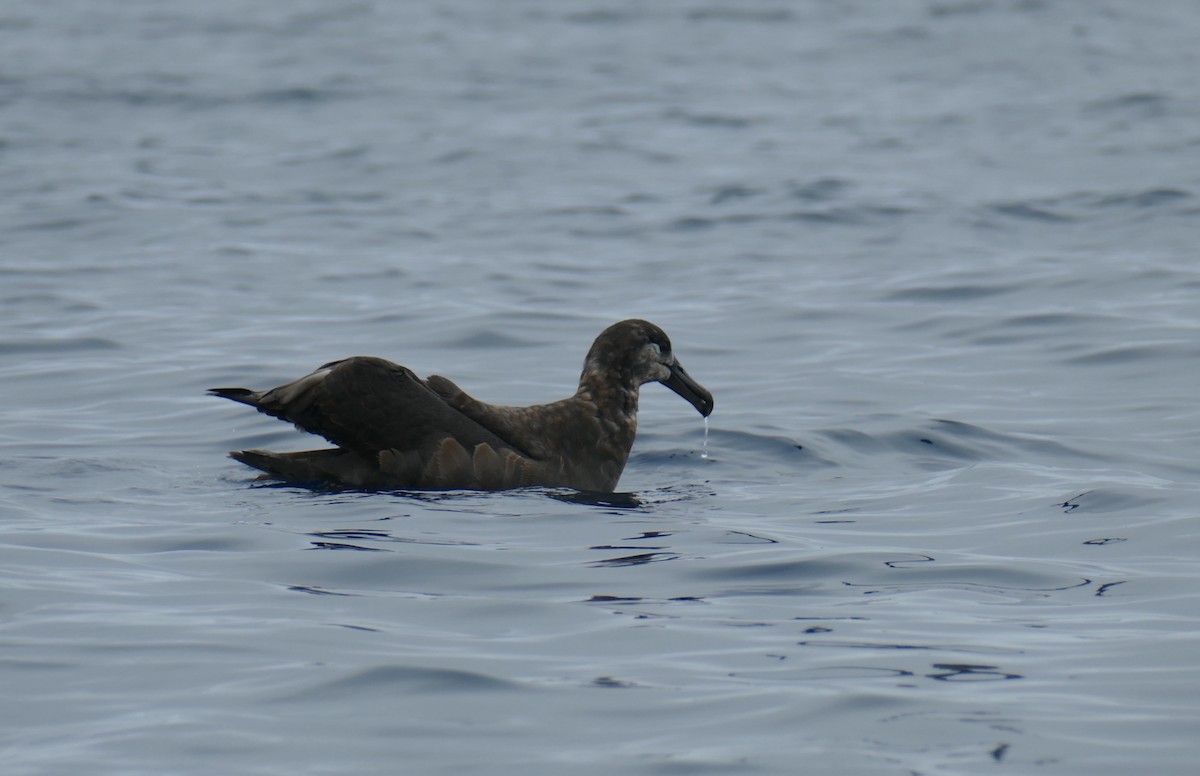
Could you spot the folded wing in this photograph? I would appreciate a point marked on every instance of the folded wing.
(393, 430)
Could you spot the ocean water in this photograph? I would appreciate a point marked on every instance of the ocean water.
(936, 259)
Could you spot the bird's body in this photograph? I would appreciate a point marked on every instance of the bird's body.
(394, 430)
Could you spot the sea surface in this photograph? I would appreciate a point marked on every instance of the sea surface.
(937, 260)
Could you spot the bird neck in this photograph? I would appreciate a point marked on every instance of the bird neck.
(614, 394)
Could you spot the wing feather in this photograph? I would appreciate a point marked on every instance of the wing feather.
(369, 405)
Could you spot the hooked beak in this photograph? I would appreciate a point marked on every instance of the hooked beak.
(682, 383)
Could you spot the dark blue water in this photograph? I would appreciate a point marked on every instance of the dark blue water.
(936, 260)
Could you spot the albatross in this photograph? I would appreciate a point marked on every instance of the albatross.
(394, 430)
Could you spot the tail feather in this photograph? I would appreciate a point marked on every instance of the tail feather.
(243, 395)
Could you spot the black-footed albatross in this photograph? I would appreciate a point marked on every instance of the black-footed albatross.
(394, 430)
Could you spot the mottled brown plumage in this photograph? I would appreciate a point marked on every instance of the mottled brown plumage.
(394, 430)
